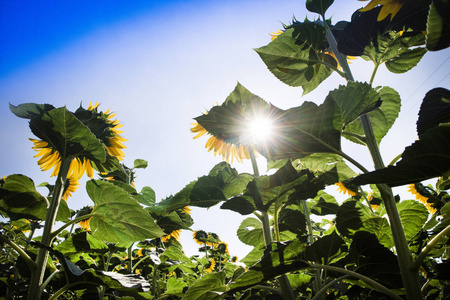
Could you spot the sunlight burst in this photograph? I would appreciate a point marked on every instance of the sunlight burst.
(260, 129)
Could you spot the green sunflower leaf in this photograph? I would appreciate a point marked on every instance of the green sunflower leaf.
(324, 204)
(117, 217)
(30, 110)
(354, 100)
(304, 130)
(219, 185)
(318, 6)
(413, 215)
(435, 109)
(250, 232)
(438, 25)
(350, 217)
(81, 242)
(147, 196)
(19, 199)
(406, 60)
(278, 259)
(374, 260)
(140, 164)
(380, 228)
(297, 56)
(326, 249)
(292, 220)
(427, 158)
(210, 286)
(331, 167)
(382, 118)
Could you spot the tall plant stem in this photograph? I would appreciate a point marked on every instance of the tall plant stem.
(410, 278)
(286, 288)
(37, 274)
(317, 284)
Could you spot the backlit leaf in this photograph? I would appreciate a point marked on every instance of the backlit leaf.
(296, 57)
(19, 199)
(117, 217)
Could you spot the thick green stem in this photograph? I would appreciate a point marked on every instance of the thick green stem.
(410, 278)
(317, 284)
(37, 276)
(286, 288)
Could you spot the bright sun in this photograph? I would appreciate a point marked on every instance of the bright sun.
(261, 129)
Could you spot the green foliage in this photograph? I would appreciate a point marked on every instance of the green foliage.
(292, 252)
(117, 217)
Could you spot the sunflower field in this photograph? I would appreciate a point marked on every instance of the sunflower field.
(305, 243)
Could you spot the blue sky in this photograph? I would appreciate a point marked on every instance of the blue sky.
(158, 64)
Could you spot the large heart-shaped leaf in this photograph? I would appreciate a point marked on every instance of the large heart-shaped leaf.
(427, 158)
(438, 25)
(297, 56)
(117, 217)
(435, 109)
(19, 199)
(382, 118)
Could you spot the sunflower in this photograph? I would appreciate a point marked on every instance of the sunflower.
(275, 34)
(200, 237)
(412, 189)
(174, 234)
(209, 267)
(345, 189)
(389, 7)
(213, 240)
(222, 147)
(70, 186)
(370, 198)
(85, 224)
(141, 252)
(234, 259)
(222, 248)
(50, 158)
(187, 210)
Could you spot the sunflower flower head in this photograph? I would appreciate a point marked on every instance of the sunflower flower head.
(416, 192)
(101, 125)
(71, 186)
(388, 7)
(346, 189)
(200, 237)
(221, 147)
(85, 211)
(234, 259)
(175, 234)
(275, 34)
(210, 265)
(222, 248)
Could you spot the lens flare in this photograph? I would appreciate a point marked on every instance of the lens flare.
(260, 129)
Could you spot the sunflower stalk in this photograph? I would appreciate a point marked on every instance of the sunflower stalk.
(410, 277)
(37, 274)
(317, 284)
(286, 288)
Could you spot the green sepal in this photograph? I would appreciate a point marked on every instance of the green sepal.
(117, 217)
(140, 164)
